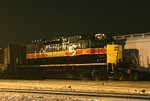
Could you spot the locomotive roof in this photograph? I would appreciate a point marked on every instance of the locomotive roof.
(70, 39)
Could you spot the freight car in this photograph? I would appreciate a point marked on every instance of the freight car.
(85, 57)
(9, 58)
(139, 44)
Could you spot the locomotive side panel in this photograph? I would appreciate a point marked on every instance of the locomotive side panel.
(90, 56)
(114, 54)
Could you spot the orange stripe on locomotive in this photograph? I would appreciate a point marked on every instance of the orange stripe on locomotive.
(67, 53)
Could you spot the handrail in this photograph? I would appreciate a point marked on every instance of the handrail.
(136, 59)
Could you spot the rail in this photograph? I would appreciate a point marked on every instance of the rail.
(78, 93)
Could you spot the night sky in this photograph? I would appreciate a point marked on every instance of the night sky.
(22, 21)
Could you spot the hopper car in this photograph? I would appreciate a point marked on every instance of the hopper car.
(138, 44)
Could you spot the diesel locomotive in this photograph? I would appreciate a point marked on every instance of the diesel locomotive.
(85, 57)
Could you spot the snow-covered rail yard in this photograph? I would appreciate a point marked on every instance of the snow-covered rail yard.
(74, 90)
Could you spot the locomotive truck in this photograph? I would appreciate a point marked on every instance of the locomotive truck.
(85, 57)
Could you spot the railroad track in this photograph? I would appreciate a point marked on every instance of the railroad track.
(78, 93)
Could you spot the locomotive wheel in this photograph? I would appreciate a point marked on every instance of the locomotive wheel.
(97, 78)
(121, 77)
(83, 76)
(118, 75)
(134, 76)
(1, 74)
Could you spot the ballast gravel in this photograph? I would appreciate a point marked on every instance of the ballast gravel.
(22, 97)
